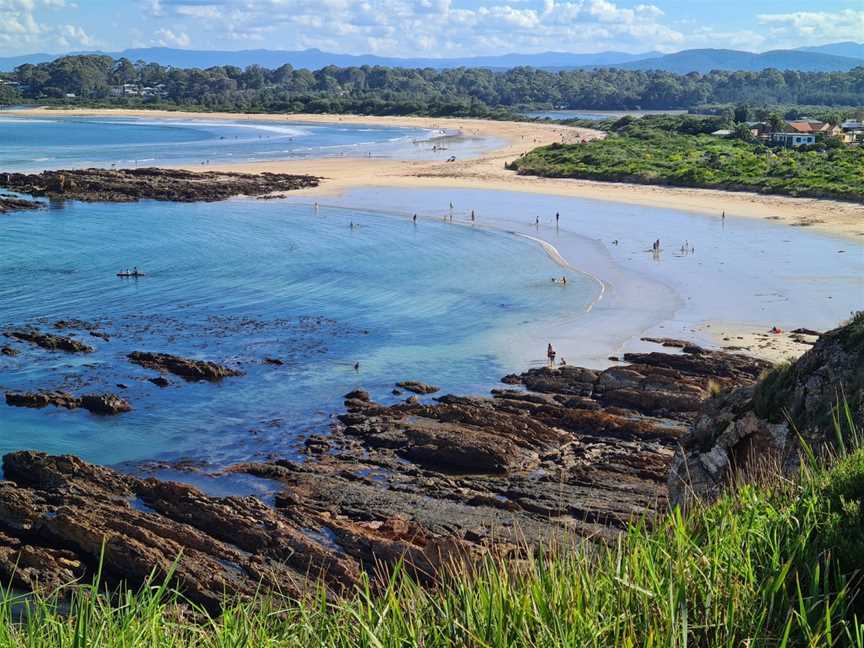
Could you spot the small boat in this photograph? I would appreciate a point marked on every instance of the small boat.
(131, 274)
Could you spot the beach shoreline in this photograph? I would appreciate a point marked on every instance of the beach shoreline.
(487, 171)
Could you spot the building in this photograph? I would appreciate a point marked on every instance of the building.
(794, 139)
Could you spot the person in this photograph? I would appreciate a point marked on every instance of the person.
(564, 280)
(135, 271)
(472, 214)
(563, 362)
(451, 205)
(723, 216)
(415, 218)
(557, 217)
(550, 353)
(537, 221)
(615, 242)
(357, 366)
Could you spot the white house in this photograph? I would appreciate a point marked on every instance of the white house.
(794, 139)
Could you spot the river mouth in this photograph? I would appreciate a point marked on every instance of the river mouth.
(291, 295)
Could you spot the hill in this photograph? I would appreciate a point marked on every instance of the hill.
(315, 59)
(826, 58)
(847, 48)
(705, 60)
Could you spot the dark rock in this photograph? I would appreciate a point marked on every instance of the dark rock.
(806, 331)
(12, 204)
(9, 351)
(159, 381)
(42, 399)
(358, 394)
(183, 367)
(130, 185)
(105, 404)
(417, 387)
(62, 516)
(273, 361)
(49, 341)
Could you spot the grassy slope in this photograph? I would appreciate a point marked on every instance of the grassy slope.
(767, 566)
(651, 153)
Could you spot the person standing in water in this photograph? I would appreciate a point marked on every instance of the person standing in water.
(415, 219)
(472, 215)
(557, 217)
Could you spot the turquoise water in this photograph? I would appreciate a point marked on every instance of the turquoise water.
(53, 142)
(241, 281)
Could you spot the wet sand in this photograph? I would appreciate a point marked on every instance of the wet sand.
(487, 171)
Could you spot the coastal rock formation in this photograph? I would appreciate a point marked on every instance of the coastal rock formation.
(415, 484)
(580, 450)
(9, 351)
(49, 341)
(58, 515)
(417, 387)
(105, 404)
(130, 185)
(750, 428)
(183, 367)
(12, 204)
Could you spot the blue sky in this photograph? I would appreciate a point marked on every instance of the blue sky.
(426, 27)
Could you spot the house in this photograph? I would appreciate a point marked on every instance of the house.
(805, 126)
(852, 125)
(794, 139)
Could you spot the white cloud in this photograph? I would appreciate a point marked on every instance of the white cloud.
(426, 27)
(801, 28)
(169, 38)
(21, 30)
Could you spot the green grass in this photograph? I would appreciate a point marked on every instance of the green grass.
(653, 151)
(770, 565)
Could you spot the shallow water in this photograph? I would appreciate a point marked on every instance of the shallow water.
(53, 142)
(241, 281)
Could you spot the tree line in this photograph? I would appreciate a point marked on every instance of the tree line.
(383, 90)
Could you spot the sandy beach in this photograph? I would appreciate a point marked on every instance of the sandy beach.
(487, 171)
(718, 326)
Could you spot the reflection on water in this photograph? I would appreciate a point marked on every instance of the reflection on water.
(246, 280)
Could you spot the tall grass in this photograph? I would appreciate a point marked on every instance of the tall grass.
(770, 565)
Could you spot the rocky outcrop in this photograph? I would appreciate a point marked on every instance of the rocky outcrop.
(744, 431)
(13, 204)
(417, 387)
(421, 485)
(184, 367)
(49, 341)
(104, 404)
(130, 185)
(8, 351)
(576, 451)
(59, 515)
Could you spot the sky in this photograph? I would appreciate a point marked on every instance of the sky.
(428, 28)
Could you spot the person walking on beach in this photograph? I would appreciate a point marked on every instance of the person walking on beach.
(537, 221)
(472, 215)
(557, 218)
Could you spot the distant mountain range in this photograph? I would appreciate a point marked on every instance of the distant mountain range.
(705, 60)
(825, 58)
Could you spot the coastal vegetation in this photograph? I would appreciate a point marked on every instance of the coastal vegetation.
(772, 564)
(102, 80)
(681, 151)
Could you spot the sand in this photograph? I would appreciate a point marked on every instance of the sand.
(487, 171)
